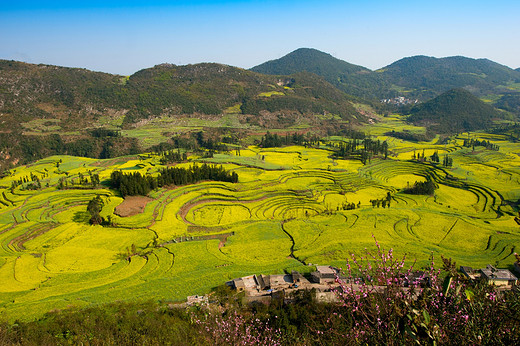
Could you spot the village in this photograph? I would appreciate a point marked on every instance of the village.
(326, 280)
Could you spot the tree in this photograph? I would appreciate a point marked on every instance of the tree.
(94, 207)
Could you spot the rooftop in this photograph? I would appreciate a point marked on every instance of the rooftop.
(326, 270)
(493, 273)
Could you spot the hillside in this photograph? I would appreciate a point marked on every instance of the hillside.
(352, 79)
(509, 102)
(424, 77)
(212, 88)
(454, 111)
(40, 101)
(419, 77)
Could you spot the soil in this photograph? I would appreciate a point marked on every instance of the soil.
(132, 205)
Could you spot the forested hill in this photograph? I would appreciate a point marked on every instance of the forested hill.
(454, 111)
(419, 77)
(425, 77)
(69, 103)
(30, 91)
(213, 88)
(352, 79)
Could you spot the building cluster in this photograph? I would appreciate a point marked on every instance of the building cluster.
(399, 101)
(264, 288)
(501, 278)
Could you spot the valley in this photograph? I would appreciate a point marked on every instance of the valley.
(293, 207)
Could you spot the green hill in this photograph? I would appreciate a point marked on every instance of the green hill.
(40, 101)
(424, 77)
(454, 111)
(352, 79)
(212, 88)
(419, 77)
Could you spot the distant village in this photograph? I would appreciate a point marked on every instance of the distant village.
(399, 101)
(324, 281)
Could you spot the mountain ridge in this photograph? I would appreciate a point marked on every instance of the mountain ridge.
(353, 79)
(419, 76)
(47, 110)
(428, 76)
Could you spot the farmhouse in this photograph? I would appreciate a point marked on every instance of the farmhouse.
(247, 283)
(325, 274)
(499, 277)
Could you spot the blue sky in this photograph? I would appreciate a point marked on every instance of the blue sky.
(125, 36)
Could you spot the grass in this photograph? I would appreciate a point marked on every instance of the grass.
(192, 238)
(271, 93)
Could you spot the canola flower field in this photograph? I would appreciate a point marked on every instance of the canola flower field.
(285, 213)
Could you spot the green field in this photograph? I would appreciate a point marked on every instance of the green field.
(284, 214)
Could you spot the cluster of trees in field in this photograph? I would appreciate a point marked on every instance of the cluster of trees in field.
(102, 132)
(270, 140)
(422, 187)
(199, 141)
(447, 161)
(382, 202)
(349, 206)
(94, 207)
(364, 149)
(419, 156)
(137, 184)
(412, 136)
(31, 182)
(92, 181)
(472, 143)
(172, 157)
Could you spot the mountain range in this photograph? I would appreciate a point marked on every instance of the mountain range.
(305, 84)
(420, 77)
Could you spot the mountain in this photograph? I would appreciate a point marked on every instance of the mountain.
(420, 77)
(424, 77)
(454, 111)
(46, 110)
(352, 79)
(29, 91)
(213, 88)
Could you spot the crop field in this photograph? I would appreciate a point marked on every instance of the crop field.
(287, 212)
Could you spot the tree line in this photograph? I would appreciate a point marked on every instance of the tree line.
(171, 156)
(472, 143)
(270, 140)
(137, 184)
(364, 149)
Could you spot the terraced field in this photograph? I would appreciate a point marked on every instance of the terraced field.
(286, 212)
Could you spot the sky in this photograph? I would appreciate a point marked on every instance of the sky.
(123, 37)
